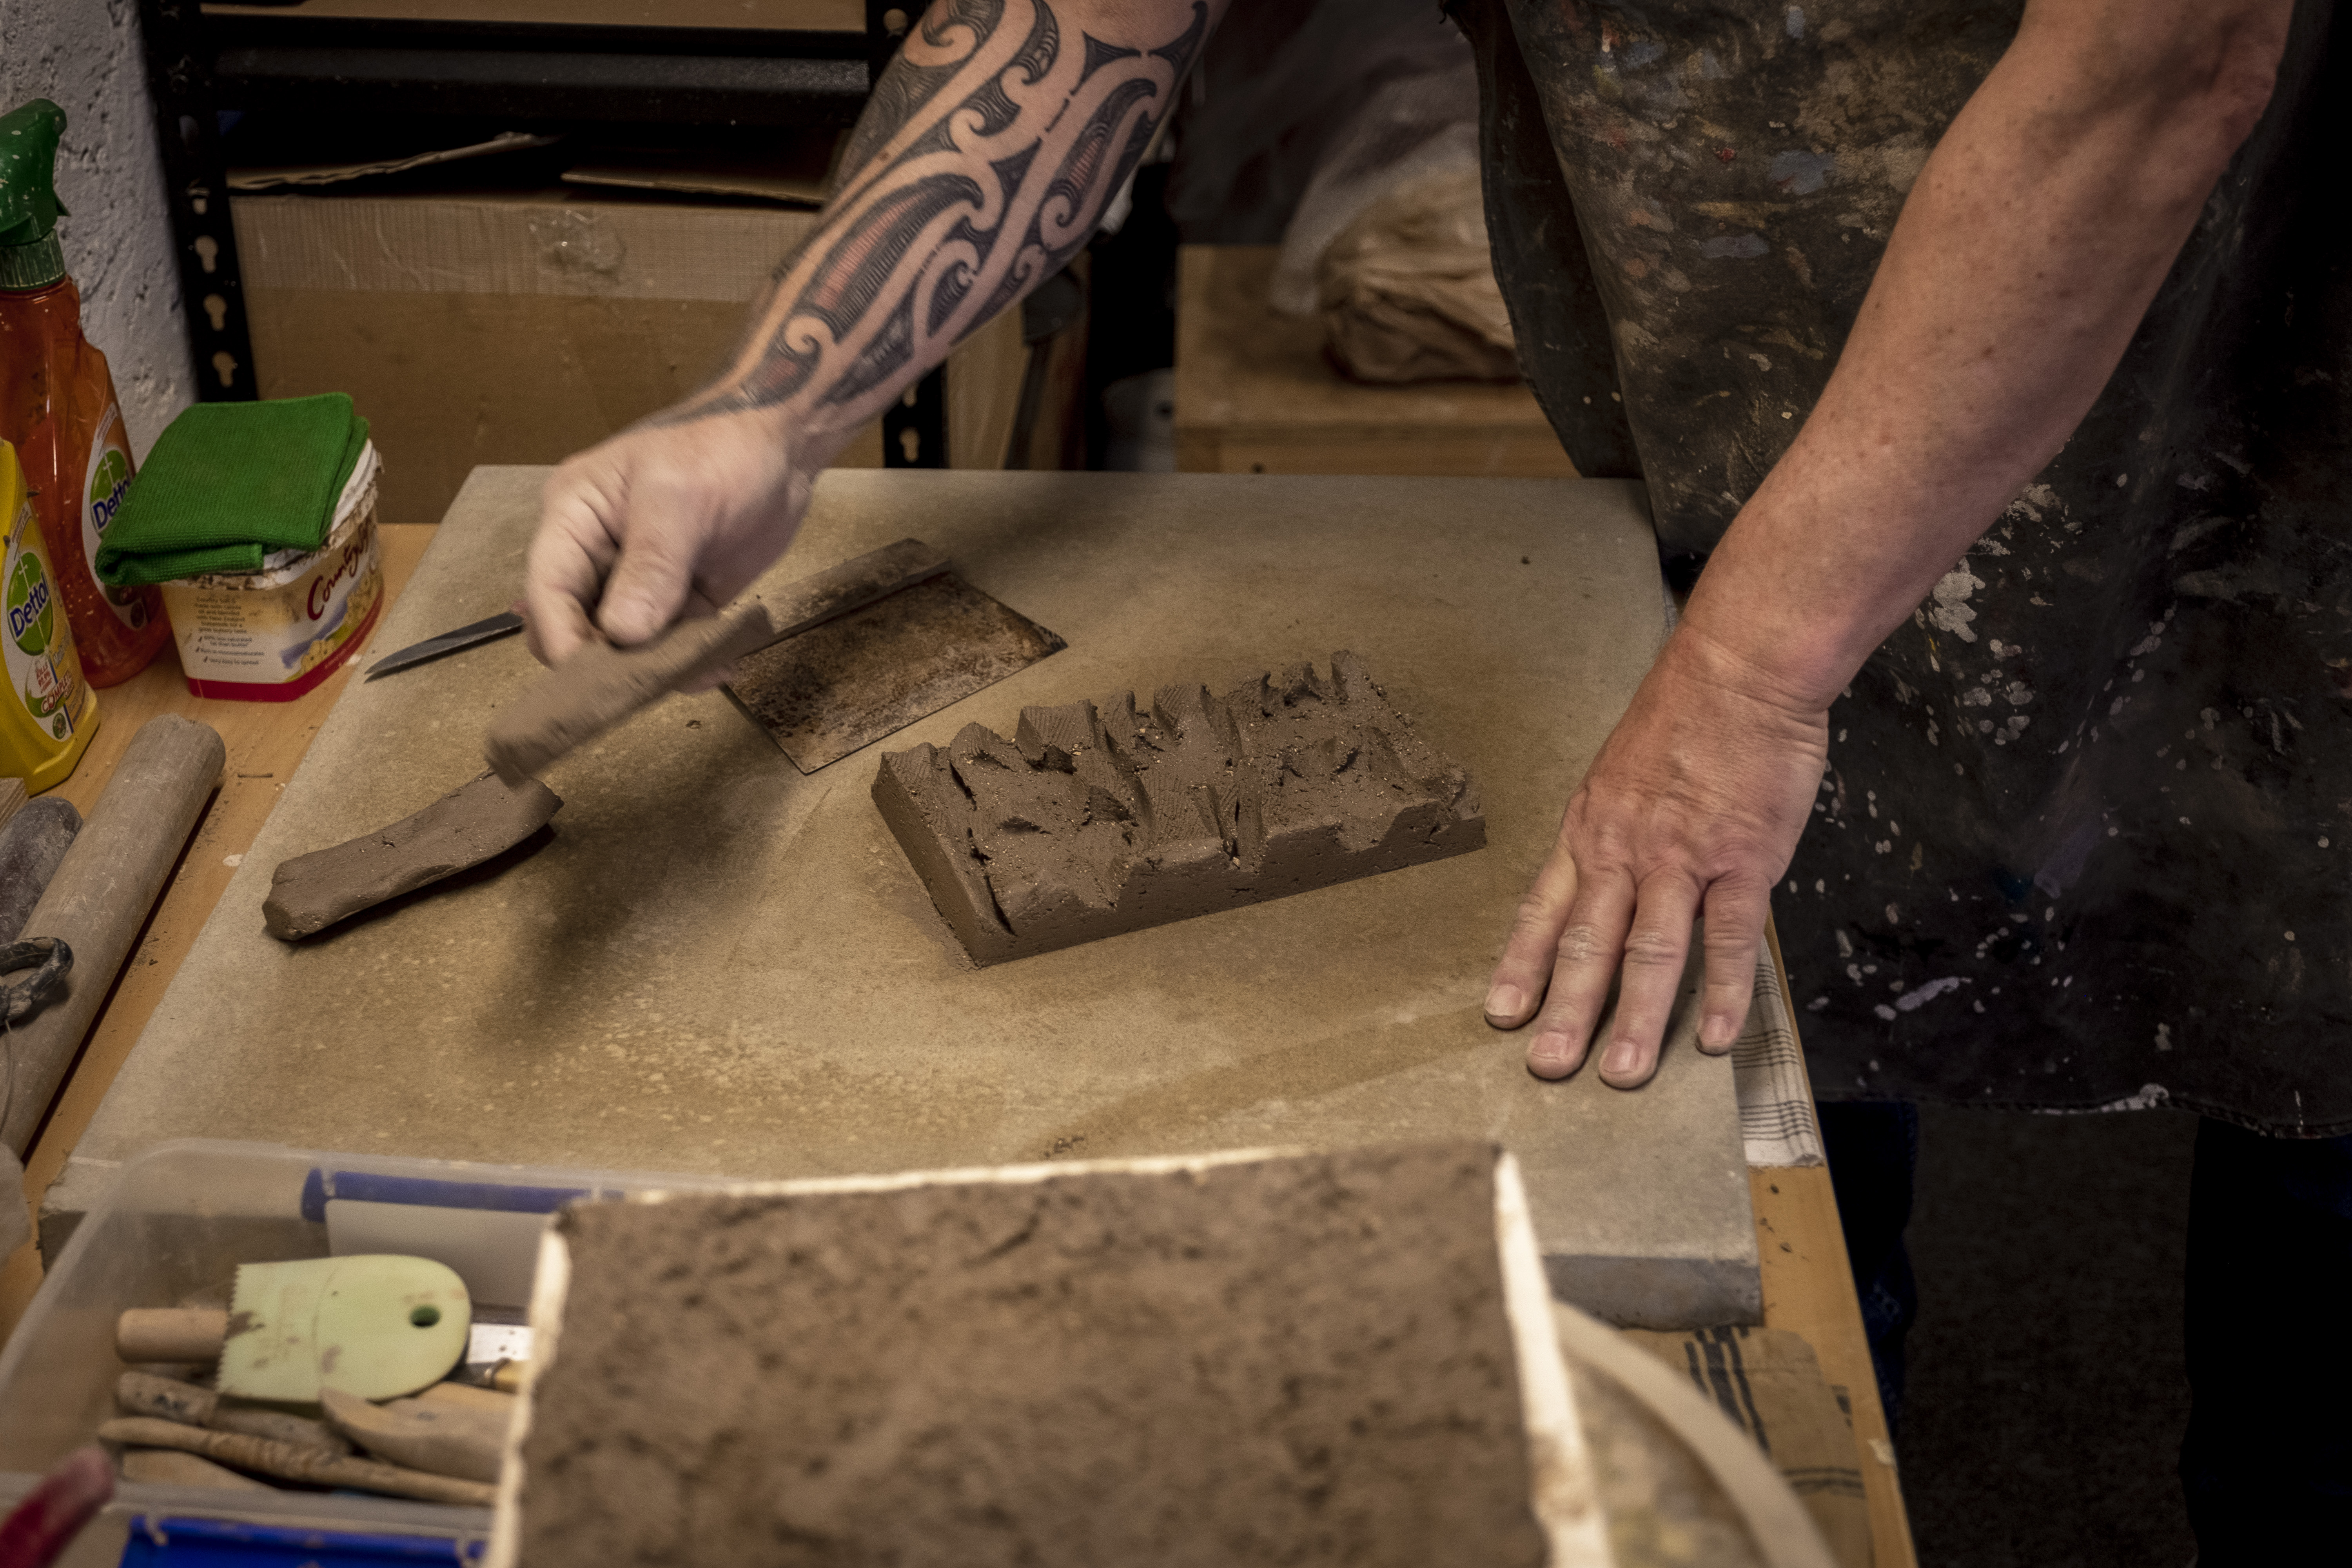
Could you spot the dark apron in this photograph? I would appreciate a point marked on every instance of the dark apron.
(2086, 834)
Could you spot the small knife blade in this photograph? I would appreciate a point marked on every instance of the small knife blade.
(497, 626)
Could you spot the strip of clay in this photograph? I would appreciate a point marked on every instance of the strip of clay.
(1101, 818)
(601, 685)
(463, 828)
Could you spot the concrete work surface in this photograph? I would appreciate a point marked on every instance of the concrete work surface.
(720, 965)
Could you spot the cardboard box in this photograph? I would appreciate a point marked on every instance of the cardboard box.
(505, 328)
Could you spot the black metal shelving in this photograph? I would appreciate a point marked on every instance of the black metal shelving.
(301, 69)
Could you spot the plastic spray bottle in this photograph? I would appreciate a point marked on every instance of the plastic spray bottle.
(57, 406)
(49, 713)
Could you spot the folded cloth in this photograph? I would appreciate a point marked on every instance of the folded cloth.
(229, 483)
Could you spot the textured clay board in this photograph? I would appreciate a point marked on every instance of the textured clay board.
(1286, 1361)
(1098, 818)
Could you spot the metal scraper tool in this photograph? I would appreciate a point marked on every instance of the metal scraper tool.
(875, 643)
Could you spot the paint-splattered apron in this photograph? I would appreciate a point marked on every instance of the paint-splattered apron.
(2087, 831)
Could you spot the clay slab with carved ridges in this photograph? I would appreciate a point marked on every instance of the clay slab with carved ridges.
(1096, 820)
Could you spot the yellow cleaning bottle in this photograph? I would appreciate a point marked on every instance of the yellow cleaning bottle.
(49, 713)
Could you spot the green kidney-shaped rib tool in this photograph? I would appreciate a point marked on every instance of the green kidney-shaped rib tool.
(375, 1326)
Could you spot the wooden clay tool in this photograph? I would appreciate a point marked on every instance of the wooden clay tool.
(601, 685)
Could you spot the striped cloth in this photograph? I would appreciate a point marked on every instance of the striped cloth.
(1769, 1383)
(1776, 1101)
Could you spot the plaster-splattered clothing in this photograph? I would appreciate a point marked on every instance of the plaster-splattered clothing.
(2086, 830)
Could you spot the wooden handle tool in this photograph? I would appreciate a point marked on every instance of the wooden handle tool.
(168, 1399)
(171, 1334)
(290, 1463)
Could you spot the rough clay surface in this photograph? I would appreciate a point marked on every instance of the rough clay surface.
(35, 840)
(1297, 1360)
(1096, 820)
(464, 827)
(601, 685)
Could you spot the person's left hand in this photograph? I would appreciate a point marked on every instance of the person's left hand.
(1694, 805)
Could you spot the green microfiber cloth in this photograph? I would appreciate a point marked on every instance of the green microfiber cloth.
(228, 483)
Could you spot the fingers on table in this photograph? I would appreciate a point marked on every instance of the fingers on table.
(1583, 960)
(1574, 936)
(1518, 986)
(1736, 913)
(1656, 948)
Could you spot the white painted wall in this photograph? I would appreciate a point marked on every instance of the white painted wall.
(84, 55)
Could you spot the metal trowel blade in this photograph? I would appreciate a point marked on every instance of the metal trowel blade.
(833, 689)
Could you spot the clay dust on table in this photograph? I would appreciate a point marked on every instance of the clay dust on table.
(1101, 818)
(1290, 1361)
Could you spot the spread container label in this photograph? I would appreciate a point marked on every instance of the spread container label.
(272, 636)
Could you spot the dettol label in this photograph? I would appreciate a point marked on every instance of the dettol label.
(47, 717)
(102, 489)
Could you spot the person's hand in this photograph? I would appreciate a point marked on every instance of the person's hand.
(660, 522)
(1695, 803)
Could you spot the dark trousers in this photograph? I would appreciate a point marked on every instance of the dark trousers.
(2267, 1462)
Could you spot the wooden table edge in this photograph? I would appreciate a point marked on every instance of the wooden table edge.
(1809, 1289)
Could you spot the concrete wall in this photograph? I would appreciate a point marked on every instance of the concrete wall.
(85, 56)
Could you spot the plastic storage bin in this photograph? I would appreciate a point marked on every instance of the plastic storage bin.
(183, 1216)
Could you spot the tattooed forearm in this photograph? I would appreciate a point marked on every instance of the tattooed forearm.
(982, 165)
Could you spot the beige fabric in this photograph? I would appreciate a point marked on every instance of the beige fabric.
(1408, 289)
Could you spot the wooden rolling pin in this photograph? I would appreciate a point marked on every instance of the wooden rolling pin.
(101, 893)
(288, 1462)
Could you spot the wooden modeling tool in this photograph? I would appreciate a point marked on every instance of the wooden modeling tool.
(601, 685)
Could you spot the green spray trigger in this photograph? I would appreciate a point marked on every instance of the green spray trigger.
(30, 207)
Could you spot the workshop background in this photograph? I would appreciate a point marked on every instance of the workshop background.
(502, 271)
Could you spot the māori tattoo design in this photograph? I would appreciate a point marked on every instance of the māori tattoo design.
(980, 166)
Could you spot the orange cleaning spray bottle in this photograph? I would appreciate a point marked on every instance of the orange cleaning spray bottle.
(57, 405)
